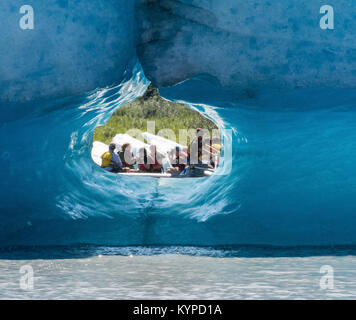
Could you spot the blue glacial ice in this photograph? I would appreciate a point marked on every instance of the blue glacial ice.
(264, 70)
(247, 44)
(75, 46)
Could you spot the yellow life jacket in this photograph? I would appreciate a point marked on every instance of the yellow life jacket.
(106, 159)
(217, 147)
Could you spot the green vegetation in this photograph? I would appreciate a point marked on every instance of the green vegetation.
(152, 107)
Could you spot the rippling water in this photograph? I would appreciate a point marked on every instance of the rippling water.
(91, 272)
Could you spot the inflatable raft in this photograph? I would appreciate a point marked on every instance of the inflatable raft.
(206, 173)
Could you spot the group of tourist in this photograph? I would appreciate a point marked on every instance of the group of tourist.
(151, 160)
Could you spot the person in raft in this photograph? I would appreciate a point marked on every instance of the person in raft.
(110, 161)
(150, 161)
(196, 146)
(210, 148)
(215, 149)
(126, 156)
(178, 161)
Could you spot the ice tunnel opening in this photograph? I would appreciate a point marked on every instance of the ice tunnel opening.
(155, 137)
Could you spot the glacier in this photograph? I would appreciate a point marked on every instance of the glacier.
(247, 45)
(75, 46)
(284, 87)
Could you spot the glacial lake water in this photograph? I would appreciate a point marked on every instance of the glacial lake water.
(177, 273)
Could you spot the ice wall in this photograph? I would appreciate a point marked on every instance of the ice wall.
(247, 44)
(75, 46)
(79, 45)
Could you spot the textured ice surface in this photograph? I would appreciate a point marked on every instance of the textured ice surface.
(293, 177)
(79, 45)
(75, 46)
(247, 44)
